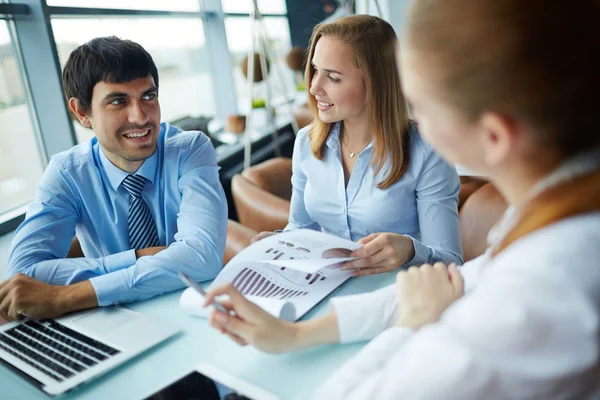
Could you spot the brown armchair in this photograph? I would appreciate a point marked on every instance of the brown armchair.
(262, 194)
(479, 213)
(238, 238)
(303, 115)
(468, 186)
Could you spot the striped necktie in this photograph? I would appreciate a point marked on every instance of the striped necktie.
(142, 229)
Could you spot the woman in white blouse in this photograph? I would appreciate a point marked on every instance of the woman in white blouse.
(505, 90)
(360, 170)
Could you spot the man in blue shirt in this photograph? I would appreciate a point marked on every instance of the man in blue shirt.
(143, 198)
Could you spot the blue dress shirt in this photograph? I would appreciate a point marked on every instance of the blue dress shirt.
(423, 204)
(81, 193)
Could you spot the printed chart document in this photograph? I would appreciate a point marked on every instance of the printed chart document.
(286, 274)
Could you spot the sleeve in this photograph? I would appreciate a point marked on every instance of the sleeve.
(509, 339)
(199, 243)
(363, 316)
(437, 208)
(42, 241)
(299, 217)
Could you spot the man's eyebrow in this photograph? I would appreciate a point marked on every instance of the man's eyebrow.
(115, 95)
(153, 89)
(118, 95)
(331, 71)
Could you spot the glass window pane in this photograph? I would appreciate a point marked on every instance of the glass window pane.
(21, 165)
(239, 41)
(245, 6)
(171, 5)
(177, 47)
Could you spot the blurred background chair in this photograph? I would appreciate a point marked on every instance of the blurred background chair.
(303, 115)
(480, 211)
(262, 194)
(238, 238)
(468, 185)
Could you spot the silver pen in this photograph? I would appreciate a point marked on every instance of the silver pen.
(191, 283)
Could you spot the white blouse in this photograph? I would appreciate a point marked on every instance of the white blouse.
(527, 328)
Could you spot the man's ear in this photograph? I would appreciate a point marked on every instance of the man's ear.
(499, 138)
(75, 107)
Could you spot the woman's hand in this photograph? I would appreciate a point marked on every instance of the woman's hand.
(250, 324)
(381, 252)
(425, 292)
(261, 235)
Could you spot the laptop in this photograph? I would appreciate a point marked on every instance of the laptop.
(60, 354)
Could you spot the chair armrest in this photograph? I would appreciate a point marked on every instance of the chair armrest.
(238, 238)
(258, 209)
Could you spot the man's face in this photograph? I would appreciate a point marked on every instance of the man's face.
(125, 118)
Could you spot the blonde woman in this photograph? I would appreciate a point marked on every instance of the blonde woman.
(503, 90)
(361, 171)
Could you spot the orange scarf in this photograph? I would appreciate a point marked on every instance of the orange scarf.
(579, 195)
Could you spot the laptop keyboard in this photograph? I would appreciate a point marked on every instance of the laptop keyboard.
(54, 349)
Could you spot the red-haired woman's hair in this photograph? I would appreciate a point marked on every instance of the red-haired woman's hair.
(534, 61)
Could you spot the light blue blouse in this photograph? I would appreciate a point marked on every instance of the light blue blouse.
(423, 204)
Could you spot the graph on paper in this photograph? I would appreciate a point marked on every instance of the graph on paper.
(280, 283)
(251, 282)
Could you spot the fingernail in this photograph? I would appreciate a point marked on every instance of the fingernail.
(452, 265)
(222, 318)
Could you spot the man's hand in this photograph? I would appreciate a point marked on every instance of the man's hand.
(381, 252)
(149, 251)
(425, 292)
(22, 296)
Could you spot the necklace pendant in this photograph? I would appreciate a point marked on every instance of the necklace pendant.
(351, 155)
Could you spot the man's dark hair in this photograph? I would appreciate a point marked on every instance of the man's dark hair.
(104, 59)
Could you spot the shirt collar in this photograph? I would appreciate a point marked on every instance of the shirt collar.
(333, 141)
(116, 175)
(334, 136)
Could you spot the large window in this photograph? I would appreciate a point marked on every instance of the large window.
(177, 47)
(239, 38)
(21, 165)
(171, 5)
(187, 39)
(245, 6)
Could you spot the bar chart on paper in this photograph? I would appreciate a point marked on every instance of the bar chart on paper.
(251, 282)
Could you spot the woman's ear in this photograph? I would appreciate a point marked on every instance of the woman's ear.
(75, 107)
(499, 138)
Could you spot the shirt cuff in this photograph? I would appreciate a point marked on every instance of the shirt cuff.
(422, 254)
(363, 316)
(118, 261)
(111, 288)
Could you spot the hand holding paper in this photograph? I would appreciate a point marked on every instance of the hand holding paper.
(285, 274)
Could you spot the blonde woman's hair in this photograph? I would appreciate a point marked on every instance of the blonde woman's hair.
(374, 44)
